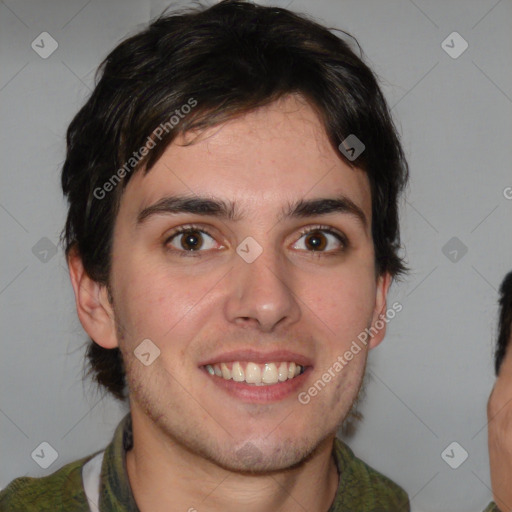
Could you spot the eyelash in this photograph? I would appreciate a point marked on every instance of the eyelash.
(324, 229)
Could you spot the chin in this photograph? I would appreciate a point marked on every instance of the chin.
(253, 457)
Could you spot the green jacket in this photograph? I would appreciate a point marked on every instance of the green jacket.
(361, 488)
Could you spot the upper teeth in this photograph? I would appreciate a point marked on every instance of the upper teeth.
(268, 373)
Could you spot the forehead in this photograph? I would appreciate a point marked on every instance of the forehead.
(275, 154)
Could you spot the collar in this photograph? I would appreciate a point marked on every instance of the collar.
(115, 490)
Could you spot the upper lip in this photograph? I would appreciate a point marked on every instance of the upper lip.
(254, 356)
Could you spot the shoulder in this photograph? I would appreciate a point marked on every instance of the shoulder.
(62, 490)
(363, 486)
(492, 507)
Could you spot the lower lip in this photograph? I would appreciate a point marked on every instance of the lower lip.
(260, 394)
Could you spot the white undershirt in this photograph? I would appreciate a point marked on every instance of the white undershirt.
(91, 473)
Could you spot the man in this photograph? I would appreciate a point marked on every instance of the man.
(232, 234)
(499, 409)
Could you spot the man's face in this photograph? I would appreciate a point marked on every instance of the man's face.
(202, 302)
(499, 415)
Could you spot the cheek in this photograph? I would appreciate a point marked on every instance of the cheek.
(345, 303)
(153, 301)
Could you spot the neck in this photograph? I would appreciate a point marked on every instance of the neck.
(166, 476)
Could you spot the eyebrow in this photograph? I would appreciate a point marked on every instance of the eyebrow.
(229, 211)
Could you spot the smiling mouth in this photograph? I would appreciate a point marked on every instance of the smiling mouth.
(266, 374)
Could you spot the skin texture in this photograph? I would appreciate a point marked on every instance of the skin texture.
(195, 445)
(499, 414)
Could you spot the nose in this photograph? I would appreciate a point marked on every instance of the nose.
(261, 293)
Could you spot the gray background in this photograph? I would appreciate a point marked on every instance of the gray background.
(429, 381)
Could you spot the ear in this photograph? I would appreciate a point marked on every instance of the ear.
(378, 327)
(92, 304)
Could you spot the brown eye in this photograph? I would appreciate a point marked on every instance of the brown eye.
(316, 241)
(191, 240)
(321, 241)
